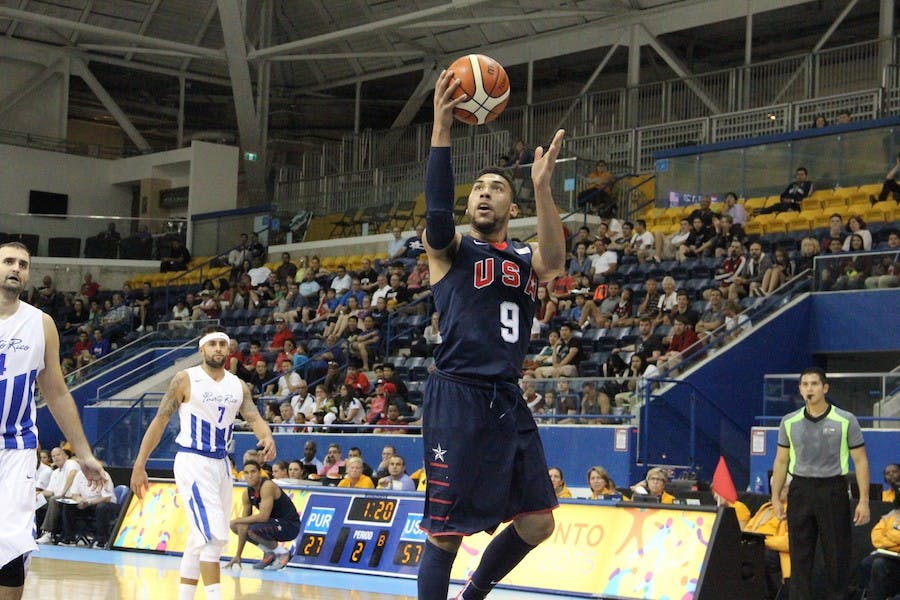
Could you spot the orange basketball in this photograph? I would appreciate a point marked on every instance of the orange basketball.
(486, 84)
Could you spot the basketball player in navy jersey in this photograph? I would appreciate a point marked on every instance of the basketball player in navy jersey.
(207, 399)
(484, 460)
(29, 352)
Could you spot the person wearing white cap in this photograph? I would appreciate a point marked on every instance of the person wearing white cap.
(207, 399)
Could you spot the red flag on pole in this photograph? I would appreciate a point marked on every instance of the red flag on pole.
(722, 483)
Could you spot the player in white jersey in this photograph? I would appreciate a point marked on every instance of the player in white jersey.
(207, 398)
(29, 352)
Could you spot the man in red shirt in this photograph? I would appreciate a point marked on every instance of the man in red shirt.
(357, 378)
(682, 344)
(90, 288)
(391, 418)
(281, 333)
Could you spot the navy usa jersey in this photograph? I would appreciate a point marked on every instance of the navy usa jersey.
(487, 303)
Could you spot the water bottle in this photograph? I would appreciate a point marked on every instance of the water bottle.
(758, 486)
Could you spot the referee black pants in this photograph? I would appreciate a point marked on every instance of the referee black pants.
(819, 512)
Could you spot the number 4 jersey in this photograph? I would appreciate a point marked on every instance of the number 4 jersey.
(21, 359)
(486, 302)
(207, 418)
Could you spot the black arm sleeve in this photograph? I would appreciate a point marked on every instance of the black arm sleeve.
(439, 192)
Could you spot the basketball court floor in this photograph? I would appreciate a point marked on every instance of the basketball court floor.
(84, 573)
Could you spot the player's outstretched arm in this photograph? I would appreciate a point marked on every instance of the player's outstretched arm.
(62, 406)
(259, 426)
(550, 256)
(169, 404)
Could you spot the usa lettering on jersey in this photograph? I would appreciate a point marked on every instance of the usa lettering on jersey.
(510, 276)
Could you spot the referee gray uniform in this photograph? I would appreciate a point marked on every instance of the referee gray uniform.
(818, 500)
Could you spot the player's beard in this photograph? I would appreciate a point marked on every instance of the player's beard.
(213, 362)
(12, 288)
(489, 227)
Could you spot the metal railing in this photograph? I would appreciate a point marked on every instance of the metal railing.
(52, 144)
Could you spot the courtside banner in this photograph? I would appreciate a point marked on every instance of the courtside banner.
(614, 551)
(159, 523)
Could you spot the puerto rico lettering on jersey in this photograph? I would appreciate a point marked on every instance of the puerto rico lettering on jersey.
(207, 418)
(21, 359)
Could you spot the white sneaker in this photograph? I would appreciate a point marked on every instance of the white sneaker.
(47, 538)
(140, 329)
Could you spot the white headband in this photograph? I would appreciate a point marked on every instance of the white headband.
(215, 335)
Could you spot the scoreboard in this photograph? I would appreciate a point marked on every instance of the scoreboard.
(361, 533)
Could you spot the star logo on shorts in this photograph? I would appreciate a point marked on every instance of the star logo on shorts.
(439, 453)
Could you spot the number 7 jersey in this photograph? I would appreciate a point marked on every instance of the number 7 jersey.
(207, 418)
(486, 302)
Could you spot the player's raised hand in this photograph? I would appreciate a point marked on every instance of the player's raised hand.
(444, 103)
(266, 449)
(545, 161)
(139, 481)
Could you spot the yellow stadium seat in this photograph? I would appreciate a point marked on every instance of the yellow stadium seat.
(885, 205)
(654, 212)
(822, 193)
(814, 202)
(800, 224)
(764, 219)
(774, 227)
(772, 200)
(870, 189)
(858, 198)
(753, 228)
(859, 208)
(835, 203)
(876, 215)
(752, 204)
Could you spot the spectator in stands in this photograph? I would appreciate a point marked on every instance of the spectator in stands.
(341, 281)
(844, 117)
(891, 185)
(820, 121)
(45, 296)
(731, 269)
(600, 483)
(533, 399)
(282, 333)
(431, 337)
(736, 322)
(238, 255)
(77, 316)
(61, 480)
(390, 420)
(713, 317)
(649, 345)
(397, 479)
(565, 357)
(728, 233)
(856, 226)
(855, 269)
(751, 280)
(350, 408)
(333, 462)
(777, 558)
(90, 288)
(835, 230)
(413, 247)
(100, 345)
(583, 235)
(290, 381)
(603, 262)
(655, 485)
(623, 312)
(559, 482)
(635, 382)
(354, 476)
(649, 306)
(683, 308)
(792, 195)
(176, 259)
(143, 303)
(699, 240)
(287, 270)
(735, 210)
(367, 276)
(296, 470)
(389, 374)
(309, 461)
(581, 262)
(309, 288)
(782, 269)
(809, 249)
(258, 272)
(881, 569)
(546, 307)
(395, 248)
(257, 250)
(597, 195)
(418, 278)
(566, 402)
(81, 352)
(622, 242)
(234, 362)
(886, 271)
(703, 212)
(95, 505)
(643, 243)
(260, 380)
(667, 299)
(590, 403)
(356, 378)
(288, 418)
(683, 343)
(673, 242)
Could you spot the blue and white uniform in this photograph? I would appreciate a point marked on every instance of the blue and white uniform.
(21, 359)
(202, 469)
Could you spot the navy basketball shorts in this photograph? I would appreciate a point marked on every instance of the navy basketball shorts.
(275, 529)
(484, 460)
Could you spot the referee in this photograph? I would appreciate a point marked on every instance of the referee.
(815, 444)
